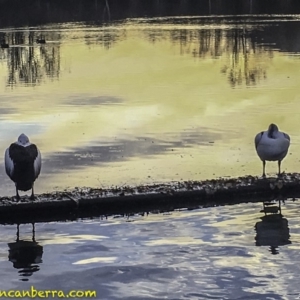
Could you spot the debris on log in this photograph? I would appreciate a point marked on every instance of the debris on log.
(89, 202)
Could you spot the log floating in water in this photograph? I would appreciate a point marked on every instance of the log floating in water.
(88, 202)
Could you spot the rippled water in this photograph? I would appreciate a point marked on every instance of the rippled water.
(150, 100)
(209, 253)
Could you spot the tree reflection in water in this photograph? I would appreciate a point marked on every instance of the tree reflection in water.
(244, 59)
(29, 62)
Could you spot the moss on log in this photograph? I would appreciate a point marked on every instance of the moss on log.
(89, 202)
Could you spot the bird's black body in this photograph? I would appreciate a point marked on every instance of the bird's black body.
(23, 159)
(4, 45)
(23, 164)
(41, 41)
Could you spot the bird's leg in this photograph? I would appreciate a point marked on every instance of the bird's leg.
(280, 206)
(18, 232)
(279, 164)
(264, 169)
(32, 194)
(17, 194)
(33, 232)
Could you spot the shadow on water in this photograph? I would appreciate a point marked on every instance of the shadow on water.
(273, 228)
(122, 150)
(25, 255)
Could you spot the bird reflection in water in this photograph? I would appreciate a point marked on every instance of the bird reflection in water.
(273, 228)
(25, 255)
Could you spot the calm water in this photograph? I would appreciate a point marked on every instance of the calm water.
(154, 100)
(150, 100)
(208, 253)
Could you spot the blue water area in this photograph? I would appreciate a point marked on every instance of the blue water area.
(225, 252)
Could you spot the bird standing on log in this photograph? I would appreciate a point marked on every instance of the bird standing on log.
(23, 164)
(272, 145)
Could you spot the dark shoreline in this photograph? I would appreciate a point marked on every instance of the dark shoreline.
(41, 12)
(88, 202)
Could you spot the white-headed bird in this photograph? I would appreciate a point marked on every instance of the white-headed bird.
(23, 164)
(272, 145)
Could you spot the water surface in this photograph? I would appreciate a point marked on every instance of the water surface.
(150, 100)
(209, 253)
(143, 100)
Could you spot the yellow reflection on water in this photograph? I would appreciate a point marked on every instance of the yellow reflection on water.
(70, 239)
(175, 241)
(207, 89)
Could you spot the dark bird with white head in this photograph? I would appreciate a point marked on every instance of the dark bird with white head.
(272, 145)
(23, 164)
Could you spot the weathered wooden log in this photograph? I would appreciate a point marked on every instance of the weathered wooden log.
(88, 202)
